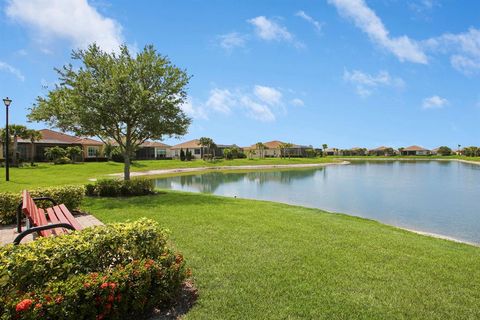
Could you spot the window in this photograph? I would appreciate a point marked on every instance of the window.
(92, 152)
(160, 153)
(197, 151)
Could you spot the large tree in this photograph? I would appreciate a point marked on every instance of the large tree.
(117, 97)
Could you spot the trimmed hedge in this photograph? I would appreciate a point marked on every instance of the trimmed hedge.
(117, 188)
(71, 196)
(113, 272)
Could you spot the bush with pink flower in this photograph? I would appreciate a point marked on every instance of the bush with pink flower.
(130, 285)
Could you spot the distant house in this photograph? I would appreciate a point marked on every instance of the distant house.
(273, 150)
(192, 145)
(331, 152)
(382, 151)
(150, 150)
(197, 150)
(91, 149)
(415, 151)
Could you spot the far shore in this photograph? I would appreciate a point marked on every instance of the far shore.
(227, 168)
(404, 159)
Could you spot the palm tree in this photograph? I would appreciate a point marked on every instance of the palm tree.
(207, 143)
(261, 149)
(18, 131)
(284, 147)
(33, 136)
(324, 146)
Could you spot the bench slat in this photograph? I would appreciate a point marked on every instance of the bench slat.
(53, 219)
(42, 220)
(60, 214)
(70, 217)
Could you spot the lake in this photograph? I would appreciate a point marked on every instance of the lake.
(441, 197)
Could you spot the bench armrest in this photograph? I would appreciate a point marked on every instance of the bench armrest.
(41, 228)
(19, 210)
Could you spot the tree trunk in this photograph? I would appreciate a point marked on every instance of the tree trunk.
(126, 168)
(32, 158)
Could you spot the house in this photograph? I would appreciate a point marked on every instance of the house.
(355, 151)
(91, 149)
(331, 152)
(273, 149)
(382, 151)
(197, 150)
(192, 145)
(415, 151)
(150, 150)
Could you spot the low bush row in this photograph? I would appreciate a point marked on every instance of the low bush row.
(116, 187)
(71, 196)
(109, 272)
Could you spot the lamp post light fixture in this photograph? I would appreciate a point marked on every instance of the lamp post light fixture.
(7, 103)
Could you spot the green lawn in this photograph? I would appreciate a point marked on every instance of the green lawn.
(263, 260)
(46, 174)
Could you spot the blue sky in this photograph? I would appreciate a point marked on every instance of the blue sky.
(343, 72)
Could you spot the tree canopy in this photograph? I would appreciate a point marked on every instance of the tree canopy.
(117, 97)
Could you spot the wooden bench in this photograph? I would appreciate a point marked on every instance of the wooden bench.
(45, 222)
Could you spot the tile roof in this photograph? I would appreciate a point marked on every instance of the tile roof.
(192, 144)
(155, 144)
(55, 137)
(415, 148)
(381, 148)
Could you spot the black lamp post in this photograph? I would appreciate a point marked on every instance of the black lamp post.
(7, 102)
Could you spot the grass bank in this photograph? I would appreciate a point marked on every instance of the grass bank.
(264, 260)
(47, 174)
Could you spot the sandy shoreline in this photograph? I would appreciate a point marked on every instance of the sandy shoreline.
(227, 168)
(439, 236)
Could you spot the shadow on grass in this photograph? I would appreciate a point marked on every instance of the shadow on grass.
(183, 303)
(161, 198)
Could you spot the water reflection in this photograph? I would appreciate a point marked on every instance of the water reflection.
(433, 196)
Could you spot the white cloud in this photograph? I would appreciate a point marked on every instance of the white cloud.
(74, 20)
(8, 68)
(221, 100)
(366, 83)
(270, 30)
(269, 95)
(464, 49)
(316, 24)
(193, 110)
(434, 102)
(404, 48)
(297, 102)
(232, 40)
(257, 110)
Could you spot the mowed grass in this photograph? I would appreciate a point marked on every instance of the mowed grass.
(47, 174)
(264, 260)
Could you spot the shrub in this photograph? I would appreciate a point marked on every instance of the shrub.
(113, 271)
(71, 196)
(188, 155)
(116, 188)
(62, 160)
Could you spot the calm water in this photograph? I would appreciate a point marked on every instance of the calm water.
(430, 196)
